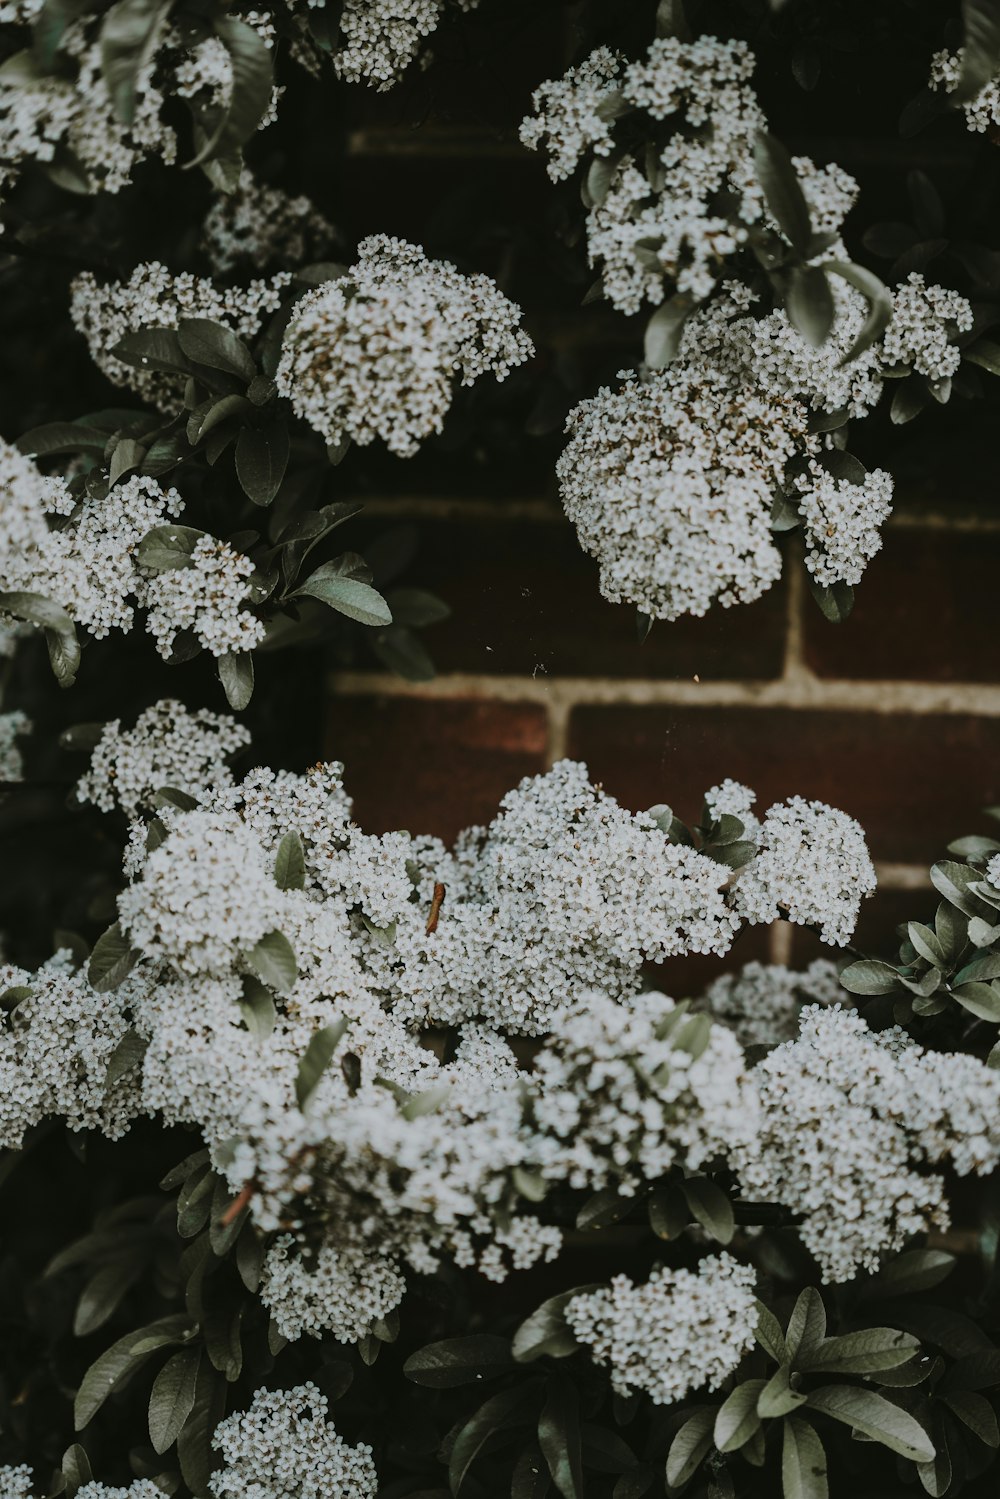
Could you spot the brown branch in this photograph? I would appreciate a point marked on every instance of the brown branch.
(236, 1207)
(436, 904)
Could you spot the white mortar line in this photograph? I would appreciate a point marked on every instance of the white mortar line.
(802, 691)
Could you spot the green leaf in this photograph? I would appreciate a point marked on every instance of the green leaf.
(76, 1469)
(108, 1370)
(874, 1417)
(785, 199)
(111, 961)
(237, 677)
(347, 595)
(404, 653)
(290, 863)
(835, 601)
(778, 1397)
(261, 460)
(130, 35)
(103, 1294)
(952, 881)
(251, 89)
(879, 304)
(172, 1397)
(665, 330)
(459, 1361)
(690, 1447)
(166, 547)
(769, 1334)
(668, 1212)
(914, 1270)
(864, 1352)
(737, 1418)
(273, 961)
(806, 1326)
(60, 631)
(197, 1458)
(416, 608)
(546, 1331)
(62, 437)
(602, 1208)
(981, 1000)
(809, 303)
(803, 1461)
(153, 349)
(710, 1207)
(984, 353)
(975, 1412)
(207, 342)
(671, 20)
(981, 49)
(316, 1058)
(926, 943)
(257, 1009)
(869, 976)
(507, 1409)
(126, 1057)
(559, 1437)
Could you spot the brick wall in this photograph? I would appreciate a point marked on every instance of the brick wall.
(893, 716)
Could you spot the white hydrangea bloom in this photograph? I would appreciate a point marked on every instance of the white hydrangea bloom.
(924, 319)
(206, 895)
(568, 116)
(376, 353)
(169, 746)
(342, 1291)
(208, 598)
(812, 867)
(679, 1332)
(851, 1119)
(15, 1483)
(993, 871)
(283, 1447)
(380, 38)
(139, 1488)
(153, 297)
(982, 113)
(732, 799)
(13, 726)
(841, 520)
(669, 484)
(55, 1047)
(761, 1002)
(618, 1099)
(260, 226)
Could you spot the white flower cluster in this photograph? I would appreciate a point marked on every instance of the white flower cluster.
(375, 354)
(283, 1447)
(850, 1121)
(153, 297)
(342, 1291)
(572, 113)
(617, 1095)
(15, 1483)
(761, 1002)
(57, 1037)
(841, 521)
(812, 866)
(679, 1332)
(13, 726)
(380, 38)
(982, 114)
(204, 72)
(662, 203)
(60, 119)
(169, 747)
(670, 480)
(139, 1488)
(924, 321)
(89, 564)
(261, 226)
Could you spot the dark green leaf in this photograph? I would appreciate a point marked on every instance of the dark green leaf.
(459, 1361)
(273, 961)
(546, 1330)
(290, 863)
(207, 342)
(115, 1362)
(710, 1207)
(236, 675)
(665, 330)
(868, 976)
(874, 1417)
(251, 89)
(560, 1439)
(690, 1447)
(803, 1461)
(809, 303)
(261, 460)
(317, 1057)
(167, 547)
(864, 1352)
(347, 595)
(737, 1418)
(131, 32)
(507, 1409)
(111, 961)
(806, 1326)
(785, 199)
(172, 1397)
(981, 49)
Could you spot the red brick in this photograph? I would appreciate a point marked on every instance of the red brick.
(913, 782)
(433, 766)
(924, 610)
(525, 599)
